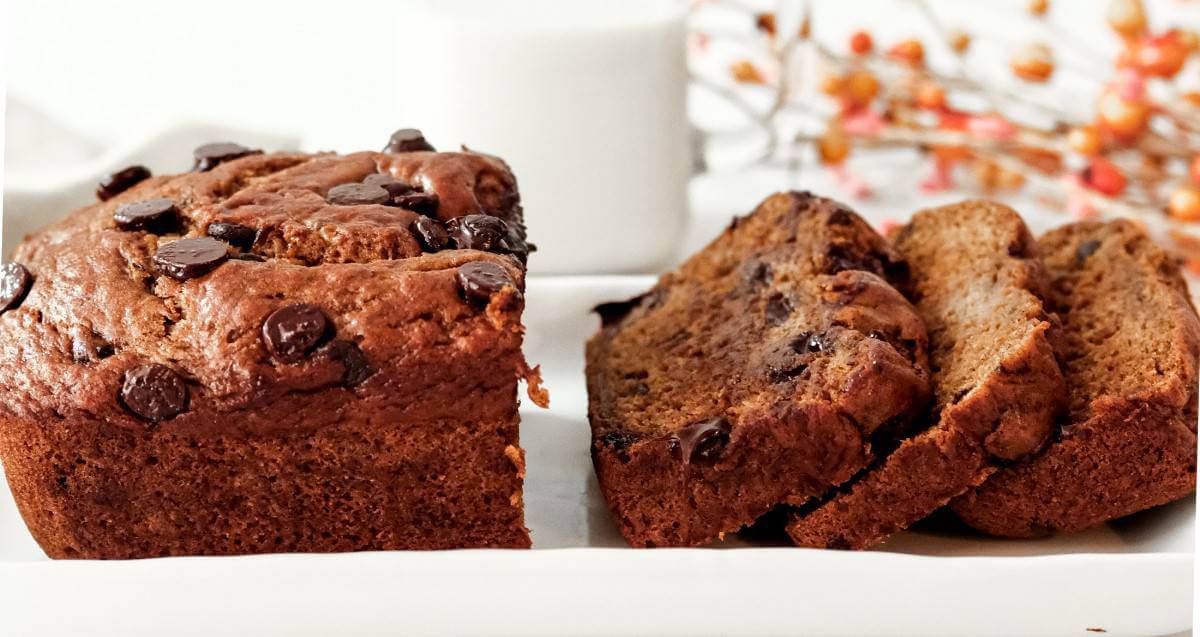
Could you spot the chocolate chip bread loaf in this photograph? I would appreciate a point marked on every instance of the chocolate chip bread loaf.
(976, 281)
(275, 352)
(756, 374)
(1130, 350)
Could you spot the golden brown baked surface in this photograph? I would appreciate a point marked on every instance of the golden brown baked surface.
(322, 379)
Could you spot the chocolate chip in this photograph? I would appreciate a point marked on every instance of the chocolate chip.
(356, 195)
(389, 183)
(235, 234)
(1086, 249)
(430, 234)
(478, 232)
(613, 312)
(293, 331)
(758, 274)
(619, 442)
(159, 216)
(189, 258)
(424, 203)
(120, 181)
(15, 281)
(703, 442)
(479, 280)
(154, 392)
(807, 343)
(407, 140)
(839, 217)
(778, 309)
(351, 356)
(209, 155)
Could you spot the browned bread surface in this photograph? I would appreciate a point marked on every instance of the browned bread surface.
(396, 427)
(754, 375)
(976, 281)
(1130, 349)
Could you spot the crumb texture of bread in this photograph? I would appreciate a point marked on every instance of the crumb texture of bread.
(756, 374)
(977, 282)
(397, 429)
(1131, 349)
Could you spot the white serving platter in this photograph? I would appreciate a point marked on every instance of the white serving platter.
(1133, 577)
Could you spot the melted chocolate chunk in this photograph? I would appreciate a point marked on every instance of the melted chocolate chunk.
(293, 331)
(478, 232)
(614, 312)
(619, 442)
(15, 281)
(189, 258)
(235, 234)
(423, 203)
(352, 358)
(407, 140)
(120, 181)
(159, 216)
(430, 234)
(480, 280)
(357, 195)
(394, 186)
(154, 392)
(209, 155)
(807, 343)
(1086, 249)
(702, 442)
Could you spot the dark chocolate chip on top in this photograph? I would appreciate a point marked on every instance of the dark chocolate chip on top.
(357, 195)
(293, 331)
(352, 359)
(430, 234)
(478, 232)
(387, 182)
(154, 392)
(189, 258)
(407, 140)
(209, 155)
(15, 281)
(159, 216)
(235, 234)
(120, 181)
(424, 203)
(480, 280)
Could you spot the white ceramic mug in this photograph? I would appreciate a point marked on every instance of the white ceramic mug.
(586, 101)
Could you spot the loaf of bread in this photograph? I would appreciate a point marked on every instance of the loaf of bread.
(1130, 349)
(977, 282)
(274, 352)
(757, 374)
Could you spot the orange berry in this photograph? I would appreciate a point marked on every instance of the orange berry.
(1104, 177)
(745, 71)
(833, 146)
(1161, 56)
(1194, 169)
(1038, 7)
(1121, 117)
(1127, 17)
(1185, 203)
(861, 43)
(862, 86)
(1084, 140)
(930, 96)
(765, 23)
(960, 41)
(910, 51)
(833, 85)
(1033, 63)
